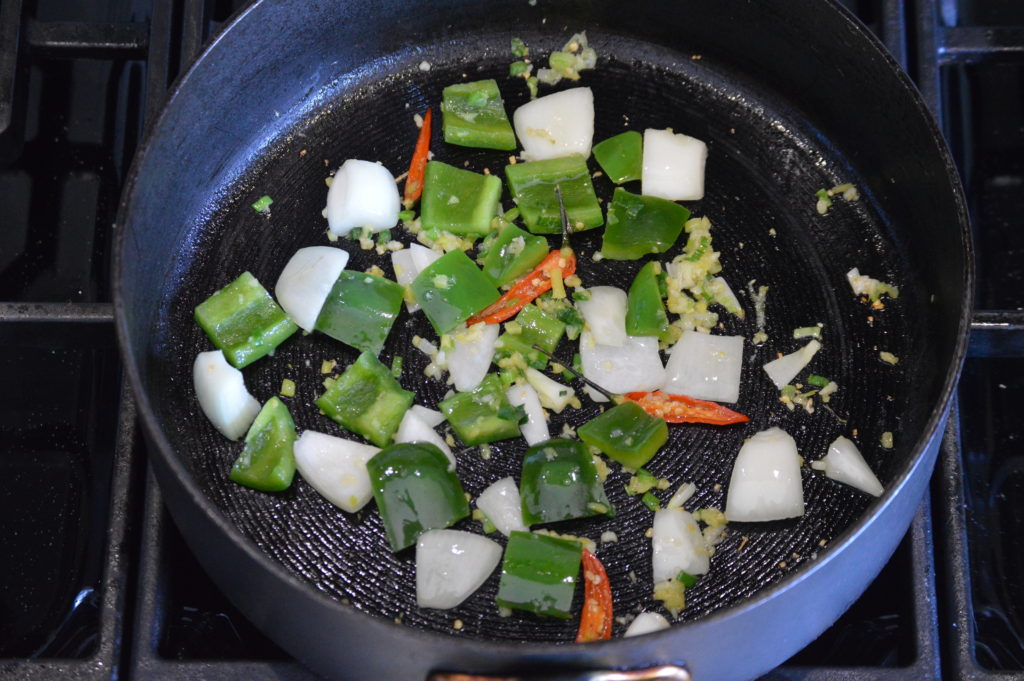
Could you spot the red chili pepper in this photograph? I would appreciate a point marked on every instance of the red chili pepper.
(683, 409)
(414, 180)
(526, 289)
(596, 620)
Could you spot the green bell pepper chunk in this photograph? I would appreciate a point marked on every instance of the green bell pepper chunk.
(474, 116)
(267, 461)
(360, 310)
(625, 433)
(533, 189)
(367, 400)
(639, 225)
(559, 482)
(621, 157)
(539, 574)
(452, 289)
(513, 253)
(483, 415)
(415, 491)
(536, 328)
(645, 311)
(458, 201)
(244, 321)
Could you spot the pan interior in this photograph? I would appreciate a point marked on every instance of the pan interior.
(766, 161)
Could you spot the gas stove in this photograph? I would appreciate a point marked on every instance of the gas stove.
(97, 583)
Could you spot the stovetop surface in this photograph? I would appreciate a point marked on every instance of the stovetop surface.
(97, 583)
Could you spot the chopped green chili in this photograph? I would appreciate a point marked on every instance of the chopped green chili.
(262, 204)
(650, 501)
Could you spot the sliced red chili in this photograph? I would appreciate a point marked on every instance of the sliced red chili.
(596, 619)
(683, 409)
(414, 180)
(527, 289)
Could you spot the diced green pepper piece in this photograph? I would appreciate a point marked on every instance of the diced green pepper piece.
(539, 574)
(645, 311)
(625, 433)
(639, 225)
(686, 579)
(621, 157)
(458, 201)
(474, 116)
(452, 289)
(262, 204)
(415, 491)
(650, 501)
(513, 253)
(244, 321)
(533, 189)
(360, 310)
(536, 328)
(367, 400)
(267, 461)
(564, 311)
(483, 415)
(560, 482)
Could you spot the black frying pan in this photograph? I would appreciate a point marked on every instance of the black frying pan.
(790, 96)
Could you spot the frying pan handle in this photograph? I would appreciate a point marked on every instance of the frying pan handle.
(666, 672)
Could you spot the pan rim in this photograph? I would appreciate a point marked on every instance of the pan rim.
(679, 631)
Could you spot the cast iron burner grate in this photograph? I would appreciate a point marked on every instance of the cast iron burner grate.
(97, 583)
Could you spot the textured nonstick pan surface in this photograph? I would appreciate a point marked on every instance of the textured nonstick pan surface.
(768, 154)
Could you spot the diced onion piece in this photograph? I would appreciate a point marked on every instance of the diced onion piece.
(844, 463)
(705, 367)
(678, 545)
(408, 263)
(673, 166)
(724, 296)
(634, 367)
(336, 468)
(307, 280)
(502, 505)
(536, 427)
(553, 395)
(362, 194)
(765, 483)
(469, 361)
(556, 125)
(415, 429)
(431, 417)
(785, 368)
(645, 623)
(605, 315)
(222, 395)
(451, 565)
(682, 495)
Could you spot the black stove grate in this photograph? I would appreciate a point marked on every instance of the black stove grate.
(98, 584)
